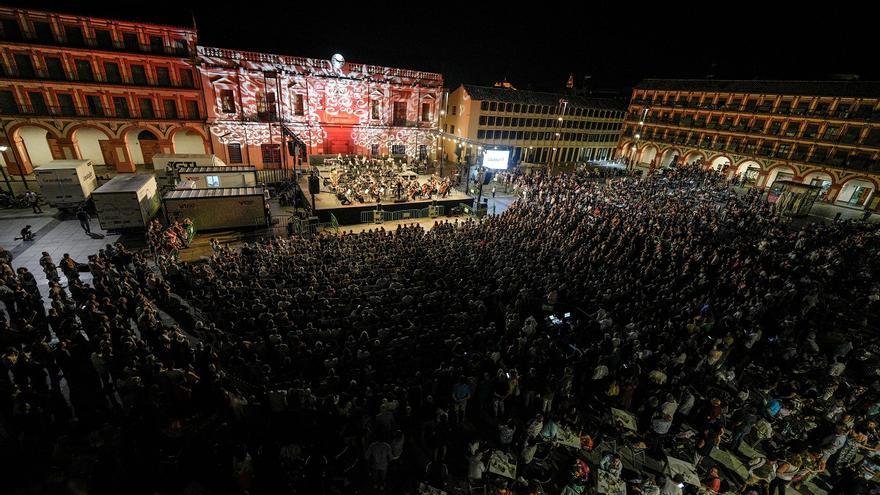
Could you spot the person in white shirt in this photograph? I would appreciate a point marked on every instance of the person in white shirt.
(673, 485)
(647, 487)
(669, 407)
(837, 367)
(612, 464)
(476, 466)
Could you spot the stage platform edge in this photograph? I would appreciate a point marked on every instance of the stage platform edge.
(351, 215)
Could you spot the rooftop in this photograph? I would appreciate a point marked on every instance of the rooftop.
(218, 192)
(870, 89)
(165, 18)
(486, 93)
(205, 169)
(126, 183)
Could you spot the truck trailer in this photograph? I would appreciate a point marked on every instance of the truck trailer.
(163, 162)
(67, 184)
(166, 165)
(208, 177)
(128, 201)
(217, 208)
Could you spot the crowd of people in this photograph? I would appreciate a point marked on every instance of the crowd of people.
(381, 361)
(363, 180)
(169, 240)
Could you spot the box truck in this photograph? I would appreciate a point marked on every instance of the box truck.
(205, 177)
(128, 201)
(217, 208)
(66, 184)
(163, 162)
(166, 165)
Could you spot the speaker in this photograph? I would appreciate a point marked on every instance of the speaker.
(487, 177)
(314, 184)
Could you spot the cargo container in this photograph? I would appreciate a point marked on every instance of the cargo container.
(128, 201)
(187, 184)
(66, 184)
(162, 162)
(166, 165)
(205, 177)
(217, 208)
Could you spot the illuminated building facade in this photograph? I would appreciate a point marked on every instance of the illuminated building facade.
(538, 128)
(111, 91)
(256, 100)
(822, 133)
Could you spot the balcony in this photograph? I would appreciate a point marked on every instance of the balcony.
(818, 158)
(42, 75)
(94, 44)
(96, 112)
(837, 160)
(780, 154)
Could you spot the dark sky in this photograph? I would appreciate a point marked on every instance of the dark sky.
(616, 43)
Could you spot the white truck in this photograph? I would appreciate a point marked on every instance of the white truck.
(128, 201)
(217, 208)
(67, 184)
(207, 177)
(163, 162)
(166, 165)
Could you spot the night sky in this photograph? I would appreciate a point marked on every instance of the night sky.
(616, 43)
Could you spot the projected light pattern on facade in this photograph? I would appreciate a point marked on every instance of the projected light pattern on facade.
(342, 108)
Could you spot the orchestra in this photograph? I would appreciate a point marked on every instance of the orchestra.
(364, 180)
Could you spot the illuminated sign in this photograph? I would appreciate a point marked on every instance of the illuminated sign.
(496, 159)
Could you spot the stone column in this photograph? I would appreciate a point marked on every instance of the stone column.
(17, 161)
(833, 191)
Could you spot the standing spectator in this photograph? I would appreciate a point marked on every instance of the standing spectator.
(33, 201)
(461, 394)
(49, 267)
(784, 474)
(70, 268)
(83, 216)
(708, 441)
(379, 455)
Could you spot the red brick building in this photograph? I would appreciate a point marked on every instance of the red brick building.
(112, 91)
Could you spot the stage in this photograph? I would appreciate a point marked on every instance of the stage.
(326, 202)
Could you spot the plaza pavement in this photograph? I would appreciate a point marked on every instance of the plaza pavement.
(55, 234)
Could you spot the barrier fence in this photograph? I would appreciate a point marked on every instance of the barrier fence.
(275, 175)
(284, 225)
(379, 216)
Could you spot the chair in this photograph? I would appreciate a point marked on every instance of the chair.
(476, 486)
(639, 455)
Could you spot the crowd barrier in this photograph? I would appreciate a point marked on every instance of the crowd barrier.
(299, 226)
(380, 216)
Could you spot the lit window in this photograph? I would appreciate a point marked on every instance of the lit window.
(213, 180)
